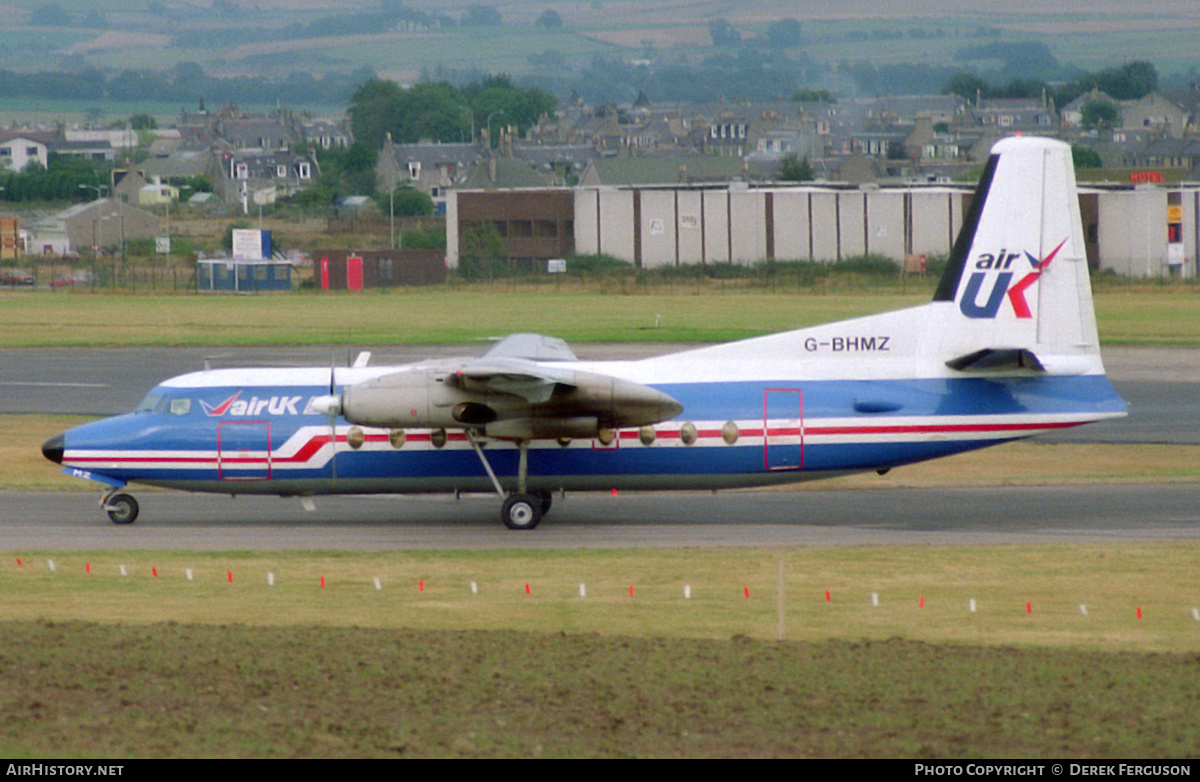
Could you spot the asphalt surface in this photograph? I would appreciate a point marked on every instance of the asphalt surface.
(1159, 384)
(967, 516)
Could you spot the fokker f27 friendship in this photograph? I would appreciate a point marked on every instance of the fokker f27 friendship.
(1007, 349)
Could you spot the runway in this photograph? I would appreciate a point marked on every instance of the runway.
(809, 517)
(1158, 383)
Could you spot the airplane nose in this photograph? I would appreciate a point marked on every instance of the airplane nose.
(52, 449)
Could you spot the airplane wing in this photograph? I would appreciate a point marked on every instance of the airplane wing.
(505, 396)
(525, 379)
(534, 347)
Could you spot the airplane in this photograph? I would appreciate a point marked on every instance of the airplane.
(1007, 349)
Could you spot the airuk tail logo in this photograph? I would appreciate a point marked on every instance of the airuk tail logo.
(998, 268)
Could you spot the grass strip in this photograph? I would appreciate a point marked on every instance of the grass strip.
(699, 311)
(1026, 595)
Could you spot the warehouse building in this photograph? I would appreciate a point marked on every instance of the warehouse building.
(1140, 231)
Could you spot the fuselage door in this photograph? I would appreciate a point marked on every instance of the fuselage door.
(783, 428)
(244, 450)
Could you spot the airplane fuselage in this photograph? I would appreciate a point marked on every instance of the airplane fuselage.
(242, 432)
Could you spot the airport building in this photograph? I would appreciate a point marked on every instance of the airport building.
(1139, 231)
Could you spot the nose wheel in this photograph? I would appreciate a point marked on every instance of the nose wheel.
(121, 508)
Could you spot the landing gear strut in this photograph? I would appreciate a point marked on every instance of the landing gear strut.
(522, 510)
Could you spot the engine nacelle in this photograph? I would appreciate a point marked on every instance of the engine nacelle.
(518, 400)
(414, 399)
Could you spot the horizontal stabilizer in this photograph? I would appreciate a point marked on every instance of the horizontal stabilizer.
(997, 360)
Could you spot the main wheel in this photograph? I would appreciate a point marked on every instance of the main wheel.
(521, 511)
(121, 509)
(545, 497)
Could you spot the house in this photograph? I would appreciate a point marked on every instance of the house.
(1188, 100)
(124, 139)
(1072, 113)
(1183, 153)
(326, 133)
(156, 194)
(18, 151)
(430, 168)
(265, 133)
(260, 175)
(1010, 115)
(106, 224)
(90, 150)
(1157, 112)
(727, 136)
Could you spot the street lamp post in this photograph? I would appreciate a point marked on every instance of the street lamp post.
(489, 125)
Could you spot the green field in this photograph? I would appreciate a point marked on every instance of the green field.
(324, 664)
(620, 311)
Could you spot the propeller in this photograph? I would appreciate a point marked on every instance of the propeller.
(331, 405)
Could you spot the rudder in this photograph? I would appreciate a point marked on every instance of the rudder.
(1017, 275)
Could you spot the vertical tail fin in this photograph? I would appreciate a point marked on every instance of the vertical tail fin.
(1018, 276)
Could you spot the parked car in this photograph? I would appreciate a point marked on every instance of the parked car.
(79, 277)
(15, 277)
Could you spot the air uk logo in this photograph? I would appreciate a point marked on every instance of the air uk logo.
(272, 405)
(998, 267)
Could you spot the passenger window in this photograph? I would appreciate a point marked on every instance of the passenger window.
(181, 406)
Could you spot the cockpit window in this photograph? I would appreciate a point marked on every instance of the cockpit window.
(180, 406)
(150, 404)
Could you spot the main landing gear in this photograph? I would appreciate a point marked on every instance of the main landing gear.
(522, 509)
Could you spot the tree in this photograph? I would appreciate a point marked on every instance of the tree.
(481, 252)
(52, 15)
(497, 97)
(1129, 82)
(793, 169)
(784, 33)
(482, 16)
(370, 108)
(1099, 114)
(813, 96)
(550, 20)
(723, 33)
(968, 86)
(407, 202)
(1083, 157)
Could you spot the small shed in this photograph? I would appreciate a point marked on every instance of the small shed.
(355, 270)
(243, 276)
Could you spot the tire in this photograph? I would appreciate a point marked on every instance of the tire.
(121, 509)
(521, 511)
(545, 498)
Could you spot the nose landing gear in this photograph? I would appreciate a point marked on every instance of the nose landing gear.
(120, 507)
